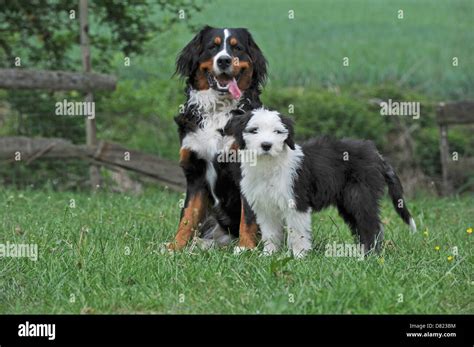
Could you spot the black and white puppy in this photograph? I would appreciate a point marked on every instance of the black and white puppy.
(288, 182)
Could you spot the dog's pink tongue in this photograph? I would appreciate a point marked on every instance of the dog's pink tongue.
(234, 89)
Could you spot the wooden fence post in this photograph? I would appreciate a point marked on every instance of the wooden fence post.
(91, 129)
(444, 151)
(453, 113)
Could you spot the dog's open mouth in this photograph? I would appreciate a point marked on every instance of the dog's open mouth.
(225, 84)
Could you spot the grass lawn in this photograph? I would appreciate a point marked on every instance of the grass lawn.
(102, 256)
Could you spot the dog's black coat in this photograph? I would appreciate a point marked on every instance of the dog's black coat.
(349, 174)
(228, 212)
(355, 185)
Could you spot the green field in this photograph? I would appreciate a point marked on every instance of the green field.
(103, 257)
(411, 57)
(100, 252)
(415, 51)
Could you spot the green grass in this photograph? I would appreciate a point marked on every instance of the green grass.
(307, 51)
(95, 270)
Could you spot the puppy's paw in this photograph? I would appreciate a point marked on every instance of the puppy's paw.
(300, 252)
(269, 250)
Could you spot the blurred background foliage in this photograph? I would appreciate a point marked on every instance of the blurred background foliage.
(407, 59)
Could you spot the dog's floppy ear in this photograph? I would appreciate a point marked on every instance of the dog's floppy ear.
(258, 61)
(289, 124)
(187, 60)
(235, 127)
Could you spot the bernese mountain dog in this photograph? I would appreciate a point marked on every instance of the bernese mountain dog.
(288, 182)
(224, 70)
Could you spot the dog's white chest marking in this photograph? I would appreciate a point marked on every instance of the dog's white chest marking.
(214, 110)
(207, 141)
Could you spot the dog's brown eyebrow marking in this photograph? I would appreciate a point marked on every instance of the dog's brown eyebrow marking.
(233, 41)
(217, 40)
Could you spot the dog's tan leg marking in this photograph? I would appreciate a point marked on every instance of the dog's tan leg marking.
(184, 155)
(247, 232)
(193, 212)
(192, 216)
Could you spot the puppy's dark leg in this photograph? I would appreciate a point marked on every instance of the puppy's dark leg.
(348, 218)
(248, 227)
(360, 210)
(197, 198)
(370, 232)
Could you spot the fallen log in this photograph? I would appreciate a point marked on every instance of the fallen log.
(24, 149)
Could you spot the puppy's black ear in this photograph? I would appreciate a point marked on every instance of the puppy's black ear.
(289, 124)
(235, 127)
(258, 60)
(187, 60)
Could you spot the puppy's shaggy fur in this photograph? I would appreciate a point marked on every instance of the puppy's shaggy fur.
(290, 181)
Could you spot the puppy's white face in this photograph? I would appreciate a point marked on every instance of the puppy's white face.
(265, 133)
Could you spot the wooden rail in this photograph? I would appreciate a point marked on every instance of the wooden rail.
(454, 113)
(55, 80)
(108, 154)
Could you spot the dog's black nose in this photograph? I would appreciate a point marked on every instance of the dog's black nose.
(224, 62)
(266, 146)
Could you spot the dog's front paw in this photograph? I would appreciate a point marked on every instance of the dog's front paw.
(166, 248)
(239, 250)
